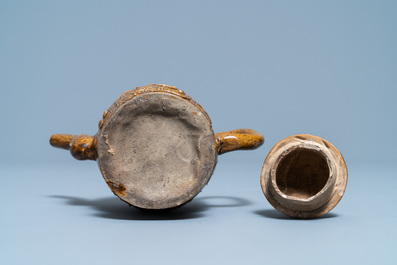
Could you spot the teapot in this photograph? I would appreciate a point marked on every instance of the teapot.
(155, 147)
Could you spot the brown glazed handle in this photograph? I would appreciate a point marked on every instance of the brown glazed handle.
(241, 139)
(81, 147)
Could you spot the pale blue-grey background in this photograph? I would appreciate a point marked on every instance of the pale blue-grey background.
(327, 68)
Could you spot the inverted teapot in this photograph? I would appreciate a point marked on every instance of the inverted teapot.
(155, 147)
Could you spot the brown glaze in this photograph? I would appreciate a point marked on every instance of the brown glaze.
(118, 189)
(61, 140)
(155, 147)
(241, 139)
(82, 147)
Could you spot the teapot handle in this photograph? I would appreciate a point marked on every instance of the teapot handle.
(241, 139)
(82, 147)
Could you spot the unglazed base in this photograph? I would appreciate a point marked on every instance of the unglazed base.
(157, 151)
(304, 176)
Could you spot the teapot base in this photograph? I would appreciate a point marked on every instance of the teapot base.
(157, 151)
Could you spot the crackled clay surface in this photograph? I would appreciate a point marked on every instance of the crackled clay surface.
(155, 147)
(304, 176)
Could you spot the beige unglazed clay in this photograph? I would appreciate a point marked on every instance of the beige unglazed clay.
(304, 176)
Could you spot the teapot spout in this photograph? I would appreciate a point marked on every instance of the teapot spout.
(82, 147)
(61, 140)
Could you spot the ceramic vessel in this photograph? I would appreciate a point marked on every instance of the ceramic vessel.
(155, 147)
(304, 176)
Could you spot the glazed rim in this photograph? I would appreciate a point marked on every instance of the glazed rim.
(157, 151)
(299, 204)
